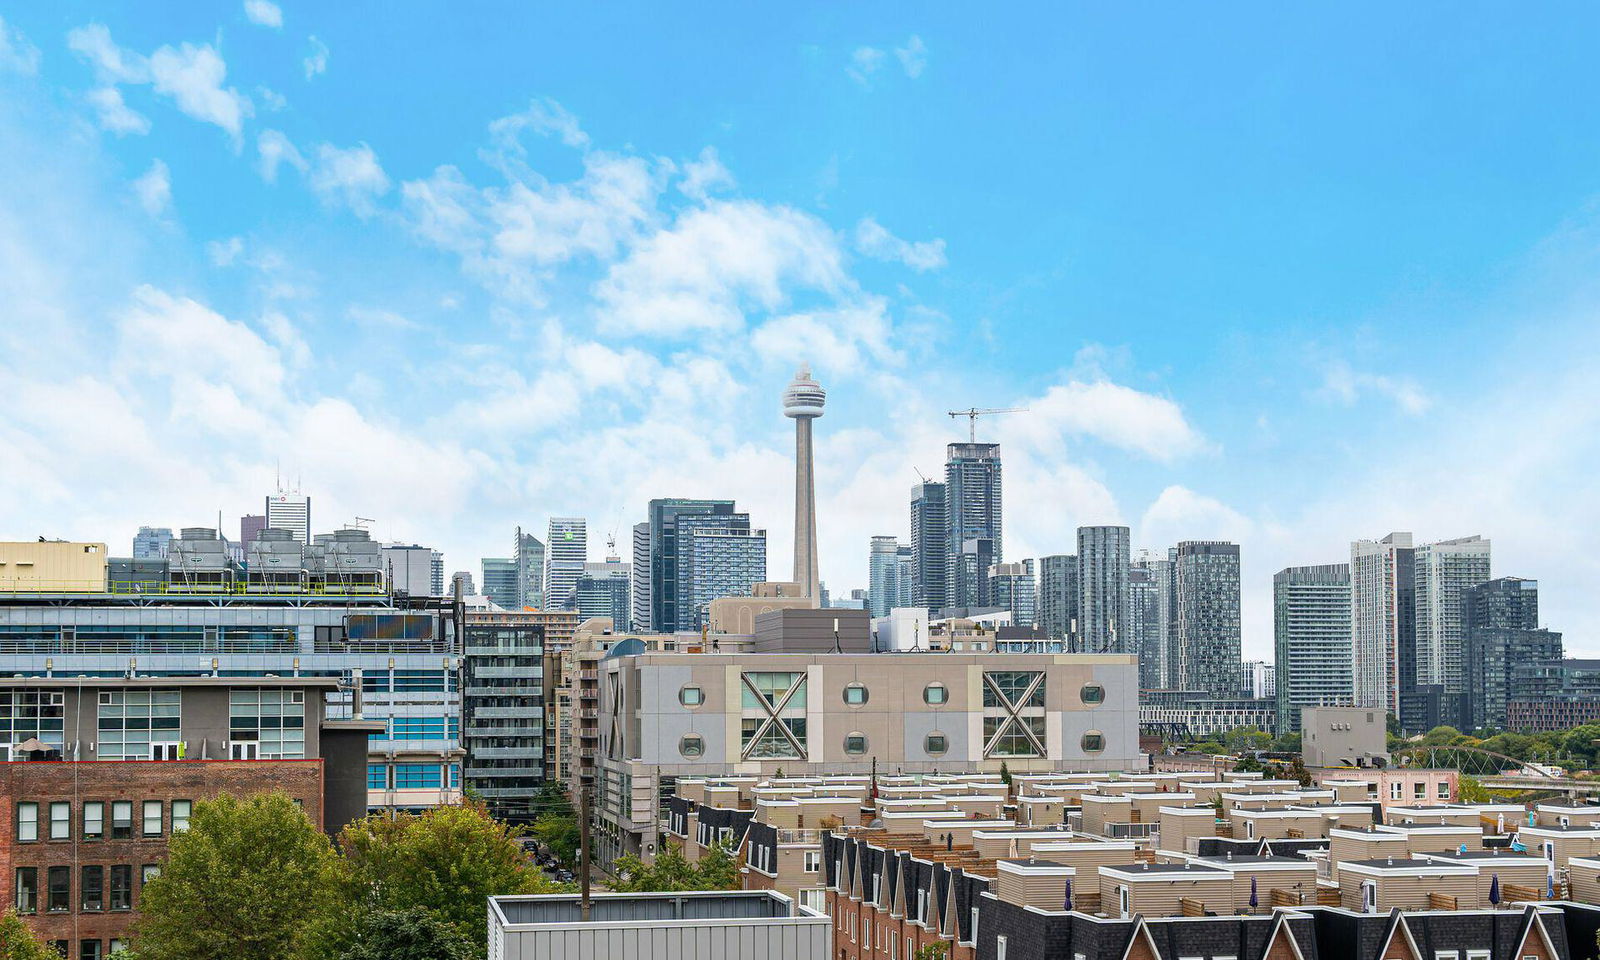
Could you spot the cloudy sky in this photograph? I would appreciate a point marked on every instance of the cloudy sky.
(1284, 277)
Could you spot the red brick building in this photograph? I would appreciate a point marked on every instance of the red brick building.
(79, 838)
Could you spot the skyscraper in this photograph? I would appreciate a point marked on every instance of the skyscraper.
(905, 575)
(973, 497)
(971, 566)
(1148, 626)
(1103, 590)
(462, 579)
(528, 553)
(1443, 572)
(802, 402)
(930, 544)
(151, 542)
(641, 575)
(605, 590)
(1311, 639)
(1058, 595)
(716, 559)
(1206, 573)
(292, 512)
(500, 581)
(250, 526)
(669, 520)
(1382, 621)
(1501, 631)
(566, 551)
(883, 575)
(1160, 620)
(1012, 587)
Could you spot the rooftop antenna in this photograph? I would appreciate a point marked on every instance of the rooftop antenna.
(973, 413)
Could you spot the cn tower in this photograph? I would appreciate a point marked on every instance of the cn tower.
(803, 401)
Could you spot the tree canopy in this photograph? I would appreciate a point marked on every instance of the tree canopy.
(413, 934)
(716, 870)
(239, 882)
(17, 941)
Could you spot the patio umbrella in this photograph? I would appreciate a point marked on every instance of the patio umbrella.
(949, 842)
(32, 745)
(1253, 901)
(1068, 905)
(1550, 886)
(1494, 890)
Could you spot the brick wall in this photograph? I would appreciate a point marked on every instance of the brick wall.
(108, 781)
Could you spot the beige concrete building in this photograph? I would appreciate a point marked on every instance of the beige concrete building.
(737, 615)
(52, 566)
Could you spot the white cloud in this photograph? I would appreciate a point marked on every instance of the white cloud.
(275, 149)
(223, 253)
(272, 99)
(704, 176)
(376, 318)
(1344, 385)
(263, 13)
(713, 263)
(913, 57)
(544, 117)
(874, 240)
(111, 63)
(17, 55)
(864, 62)
(1182, 514)
(351, 176)
(283, 332)
(847, 339)
(192, 76)
(114, 114)
(1125, 418)
(158, 326)
(317, 60)
(154, 189)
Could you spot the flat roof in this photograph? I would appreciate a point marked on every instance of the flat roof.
(1398, 863)
(1167, 870)
(144, 681)
(606, 908)
(1475, 855)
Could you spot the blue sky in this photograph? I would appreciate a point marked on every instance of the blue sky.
(1285, 277)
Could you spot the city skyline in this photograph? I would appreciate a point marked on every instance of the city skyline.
(540, 332)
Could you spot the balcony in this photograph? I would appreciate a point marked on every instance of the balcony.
(1130, 831)
(800, 836)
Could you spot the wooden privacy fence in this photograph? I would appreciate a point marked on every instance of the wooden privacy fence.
(1192, 907)
(1441, 901)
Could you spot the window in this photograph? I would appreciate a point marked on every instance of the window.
(1419, 790)
(855, 743)
(121, 819)
(377, 776)
(813, 861)
(181, 809)
(122, 887)
(815, 899)
(92, 882)
(999, 947)
(1092, 693)
(60, 821)
(1009, 736)
(855, 694)
(972, 934)
(936, 744)
(27, 889)
(1478, 955)
(32, 714)
(692, 746)
(1093, 741)
(117, 946)
(691, 696)
(275, 720)
(773, 726)
(148, 872)
(922, 906)
(1394, 790)
(1020, 688)
(129, 721)
(27, 822)
(1447, 955)
(417, 776)
(59, 890)
(88, 950)
(935, 694)
(94, 820)
(1444, 789)
(152, 818)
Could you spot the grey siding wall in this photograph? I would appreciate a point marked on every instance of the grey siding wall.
(788, 939)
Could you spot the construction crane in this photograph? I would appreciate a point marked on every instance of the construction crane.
(973, 413)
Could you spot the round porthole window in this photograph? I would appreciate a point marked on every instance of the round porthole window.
(1092, 693)
(935, 694)
(855, 744)
(692, 746)
(1093, 742)
(691, 696)
(935, 744)
(855, 694)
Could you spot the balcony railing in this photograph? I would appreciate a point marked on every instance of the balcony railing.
(799, 836)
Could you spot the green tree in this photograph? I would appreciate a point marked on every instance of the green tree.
(1005, 774)
(1242, 739)
(17, 941)
(1288, 743)
(929, 951)
(238, 883)
(413, 934)
(1249, 765)
(1296, 770)
(446, 862)
(671, 871)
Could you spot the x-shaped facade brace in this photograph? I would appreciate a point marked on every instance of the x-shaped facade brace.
(772, 716)
(1013, 716)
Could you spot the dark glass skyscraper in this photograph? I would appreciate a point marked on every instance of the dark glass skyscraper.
(1311, 633)
(1058, 595)
(1208, 642)
(973, 495)
(1103, 611)
(930, 546)
(668, 519)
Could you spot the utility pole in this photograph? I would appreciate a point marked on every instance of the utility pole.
(583, 852)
